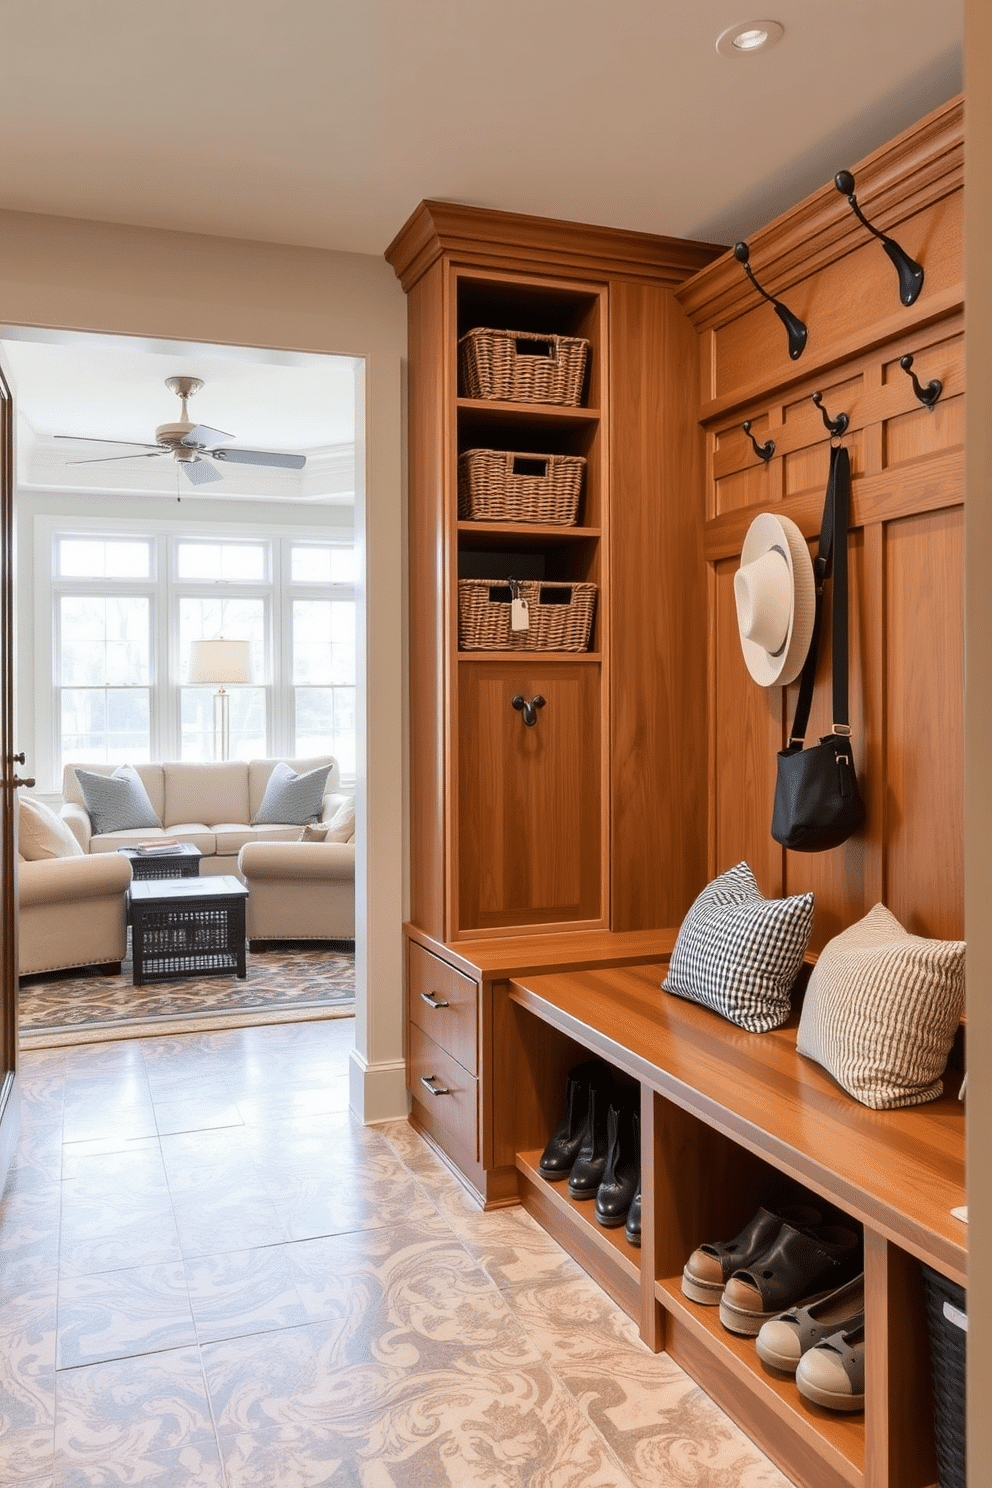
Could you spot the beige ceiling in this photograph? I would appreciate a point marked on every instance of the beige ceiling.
(325, 122)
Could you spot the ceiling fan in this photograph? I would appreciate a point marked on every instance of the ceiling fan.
(193, 446)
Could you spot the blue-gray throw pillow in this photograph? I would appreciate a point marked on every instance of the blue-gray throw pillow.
(739, 953)
(117, 802)
(291, 800)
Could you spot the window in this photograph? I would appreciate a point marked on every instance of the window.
(126, 610)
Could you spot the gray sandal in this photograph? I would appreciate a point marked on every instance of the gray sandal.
(783, 1340)
(833, 1373)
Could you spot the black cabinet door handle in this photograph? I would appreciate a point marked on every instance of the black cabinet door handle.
(529, 710)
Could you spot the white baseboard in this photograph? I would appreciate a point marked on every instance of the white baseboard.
(377, 1092)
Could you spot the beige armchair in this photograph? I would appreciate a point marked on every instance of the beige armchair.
(299, 890)
(72, 912)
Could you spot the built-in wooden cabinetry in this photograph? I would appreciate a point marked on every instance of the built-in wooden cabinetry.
(552, 866)
(565, 825)
(587, 823)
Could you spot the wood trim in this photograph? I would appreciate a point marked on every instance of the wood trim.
(867, 409)
(512, 241)
(803, 1446)
(901, 324)
(930, 484)
(603, 1254)
(911, 172)
(898, 1393)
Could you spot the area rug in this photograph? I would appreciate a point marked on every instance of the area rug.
(287, 982)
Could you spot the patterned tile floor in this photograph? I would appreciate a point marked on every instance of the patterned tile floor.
(212, 1277)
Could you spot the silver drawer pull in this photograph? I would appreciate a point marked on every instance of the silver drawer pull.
(428, 1082)
(432, 1000)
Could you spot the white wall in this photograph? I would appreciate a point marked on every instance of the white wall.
(102, 277)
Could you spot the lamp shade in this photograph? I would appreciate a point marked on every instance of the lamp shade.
(220, 661)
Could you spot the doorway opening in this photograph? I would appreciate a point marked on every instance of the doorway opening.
(125, 561)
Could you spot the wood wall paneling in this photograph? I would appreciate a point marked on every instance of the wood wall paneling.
(841, 303)
(657, 613)
(924, 629)
(906, 561)
(838, 878)
(747, 732)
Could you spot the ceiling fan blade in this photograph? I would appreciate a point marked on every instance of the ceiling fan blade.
(259, 457)
(202, 436)
(201, 472)
(92, 439)
(108, 459)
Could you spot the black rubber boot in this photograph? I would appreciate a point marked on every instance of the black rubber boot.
(560, 1154)
(622, 1173)
(590, 1163)
(632, 1229)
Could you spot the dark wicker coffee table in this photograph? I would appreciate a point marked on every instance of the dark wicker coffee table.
(187, 927)
(181, 861)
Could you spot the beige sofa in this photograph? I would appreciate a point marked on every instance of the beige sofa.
(209, 804)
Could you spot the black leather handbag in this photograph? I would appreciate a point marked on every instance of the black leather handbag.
(818, 804)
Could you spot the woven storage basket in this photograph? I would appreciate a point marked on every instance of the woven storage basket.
(560, 616)
(523, 367)
(507, 486)
(947, 1358)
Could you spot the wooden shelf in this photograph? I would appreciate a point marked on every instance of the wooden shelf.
(530, 657)
(836, 1440)
(526, 532)
(605, 1254)
(548, 414)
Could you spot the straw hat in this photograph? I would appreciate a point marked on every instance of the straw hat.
(776, 600)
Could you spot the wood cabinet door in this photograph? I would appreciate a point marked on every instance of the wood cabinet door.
(530, 830)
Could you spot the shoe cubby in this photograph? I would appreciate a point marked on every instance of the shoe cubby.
(729, 1122)
(522, 1130)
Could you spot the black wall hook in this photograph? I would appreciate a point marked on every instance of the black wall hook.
(909, 271)
(835, 426)
(927, 395)
(796, 330)
(763, 451)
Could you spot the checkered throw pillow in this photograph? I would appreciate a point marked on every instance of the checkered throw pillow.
(739, 953)
(881, 1011)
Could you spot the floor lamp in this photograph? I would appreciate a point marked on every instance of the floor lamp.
(220, 661)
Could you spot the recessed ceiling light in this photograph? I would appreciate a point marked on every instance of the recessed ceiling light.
(748, 37)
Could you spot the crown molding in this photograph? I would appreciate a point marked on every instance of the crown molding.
(919, 167)
(480, 237)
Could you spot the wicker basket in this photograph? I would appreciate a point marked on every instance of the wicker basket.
(946, 1305)
(523, 367)
(507, 486)
(560, 615)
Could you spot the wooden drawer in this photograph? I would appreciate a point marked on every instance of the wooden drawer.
(444, 1004)
(451, 1098)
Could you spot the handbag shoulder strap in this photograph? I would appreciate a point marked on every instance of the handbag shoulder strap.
(833, 535)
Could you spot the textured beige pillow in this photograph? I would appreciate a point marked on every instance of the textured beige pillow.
(341, 827)
(313, 833)
(42, 834)
(881, 1011)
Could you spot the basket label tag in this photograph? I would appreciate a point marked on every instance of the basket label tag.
(519, 615)
(956, 1316)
